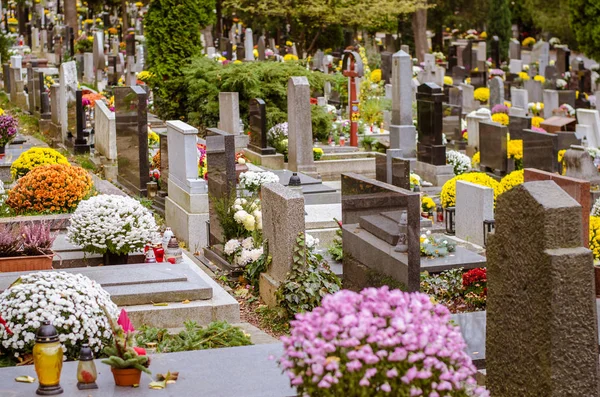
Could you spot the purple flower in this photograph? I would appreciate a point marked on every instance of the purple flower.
(500, 109)
(8, 128)
(373, 336)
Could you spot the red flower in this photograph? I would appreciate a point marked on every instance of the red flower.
(140, 351)
(125, 322)
(3, 322)
(313, 101)
(473, 276)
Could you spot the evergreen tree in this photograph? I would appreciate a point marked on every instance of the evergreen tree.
(585, 15)
(172, 30)
(499, 24)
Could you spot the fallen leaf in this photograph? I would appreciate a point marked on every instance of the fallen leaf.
(158, 385)
(169, 376)
(25, 379)
(160, 304)
(186, 301)
(136, 385)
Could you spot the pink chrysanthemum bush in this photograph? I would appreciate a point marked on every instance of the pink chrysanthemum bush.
(378, 343)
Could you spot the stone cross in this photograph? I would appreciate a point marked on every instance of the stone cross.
(300, 140)
(283, 220)
(474, 204)
(541, 339)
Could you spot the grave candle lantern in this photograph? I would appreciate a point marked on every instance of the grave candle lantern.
(488, 226)
(48, 359)
(450, 220)
(86, 369)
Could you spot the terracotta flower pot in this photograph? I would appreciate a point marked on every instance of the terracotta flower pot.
(126, 376)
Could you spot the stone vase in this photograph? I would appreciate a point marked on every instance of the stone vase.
(114, 259)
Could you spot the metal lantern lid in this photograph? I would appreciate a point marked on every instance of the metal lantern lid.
(173, 243)
(46, 333)
(294, 180)
(86, 354)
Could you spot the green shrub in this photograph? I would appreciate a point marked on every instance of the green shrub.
(205, 78)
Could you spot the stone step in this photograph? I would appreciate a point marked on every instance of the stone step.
(381, 227)
(142, 294)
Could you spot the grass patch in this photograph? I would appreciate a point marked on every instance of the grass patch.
(273, 319)
(216, 335)
(85, 162)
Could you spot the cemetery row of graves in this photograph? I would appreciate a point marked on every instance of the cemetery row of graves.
(294, 205)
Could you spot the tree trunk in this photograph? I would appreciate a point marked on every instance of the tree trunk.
(70, 9)
(125, 17)
(419, 25)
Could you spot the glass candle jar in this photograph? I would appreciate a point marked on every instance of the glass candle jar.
(48, 360)
(86, 369)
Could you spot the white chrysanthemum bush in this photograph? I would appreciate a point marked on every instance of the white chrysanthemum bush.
(460, 162)
(252, 181)
(71, 302)
(111, 223)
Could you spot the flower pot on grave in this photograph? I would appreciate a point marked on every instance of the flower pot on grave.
(597, 277)
(126, 376)
(110, 258)
(26, 263)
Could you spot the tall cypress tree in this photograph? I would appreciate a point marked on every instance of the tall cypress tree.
(584, 15)
(173, 37)
(499, 24)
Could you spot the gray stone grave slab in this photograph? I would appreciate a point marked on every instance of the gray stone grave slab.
(540, 150)
(515, 66)
(592, 119)
(551, 102)
(514, 49)
(537, 243)
(534, 90)
(474, 204)
(300, 157)
(519, 98)
(496, 92)
(567, 97)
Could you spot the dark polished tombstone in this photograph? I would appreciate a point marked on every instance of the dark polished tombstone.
(31, 88)
(479, 79)
(567, 96)
(458, 74)
(130, 45)
(113, 75)
(551, 73)
(516, 126)
(220, 154)
(164, 161)
(496, 52)
(229, 50)
(467, 57)
(493, 146)
(430, 147)
(131, 118)
(390, 43)
(452, 57)
(257, 115)
(6, 76)
(81, 145)
(386, 67)
(562, 59)
(71, 40)
(451, 121)
(240, 52)
(261, 48)
(401, 173)
(540, 150)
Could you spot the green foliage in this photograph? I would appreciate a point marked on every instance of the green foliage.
(550, 16)
(205, 78)
(308, 282)
(367, 142)
(6, 42)
(194, 337)
(321, 123)
(253, 270)
(121, 353)
(499, 24)
(172, 30)
(445, 286)
(336, 248)
(275, 319)
(84, 45)
(584, 15)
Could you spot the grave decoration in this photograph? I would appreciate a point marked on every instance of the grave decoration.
(448, 194)
(436, 246)
(50, 188)
(369, 371)
(126, 360)
(113, 226)
(460, 162)
(83, 314)
(456, 289)
(25, 247)
(35, 157)
(8, 130)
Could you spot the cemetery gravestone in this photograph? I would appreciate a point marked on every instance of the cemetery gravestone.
(534, 90)
(540, 150)
(430, 147)
(514, 49)
(577, 188)
(258, 128)
(283, 220)
(300, 143)
(474, 204)
(249, 45)
(105, 131)
(496, 92)
(220, 154)
(68, 85)
(493, 146)
(131, 120)
(562, 59)
(537, 243)
(520, 98)
(402, 130)
(515, 66)
(496, 52)
(551, 100)
(386, 67)
(591, 118)
(467, 57)
(516, 126)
